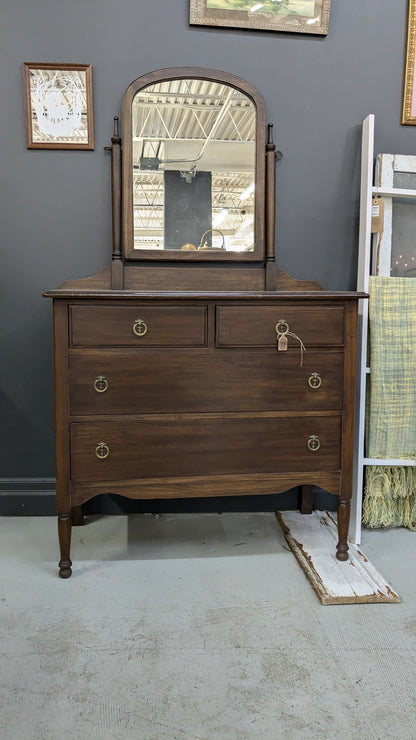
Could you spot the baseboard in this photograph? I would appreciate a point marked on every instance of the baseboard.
(27, 497)
(36, 497)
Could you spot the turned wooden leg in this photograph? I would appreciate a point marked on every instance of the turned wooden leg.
(64, 534)
(343, 524)
(306, 501)
(77, 516)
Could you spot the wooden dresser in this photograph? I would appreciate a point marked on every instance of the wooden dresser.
(196, 380)
(164, 396)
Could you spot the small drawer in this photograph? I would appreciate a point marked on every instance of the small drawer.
(138, 326)
(255, 326)
(210, 445)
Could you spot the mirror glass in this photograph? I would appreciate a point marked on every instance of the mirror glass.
(194, 151)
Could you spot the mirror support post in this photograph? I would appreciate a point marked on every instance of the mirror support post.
(271, 271)
(117, 275)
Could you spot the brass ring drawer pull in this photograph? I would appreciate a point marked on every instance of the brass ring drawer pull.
(282, 327)
(102, 451)
(100, 384)
(140, 328)
(313, 443)
(315, 380)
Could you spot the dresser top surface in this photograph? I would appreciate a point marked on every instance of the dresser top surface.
(315, 295)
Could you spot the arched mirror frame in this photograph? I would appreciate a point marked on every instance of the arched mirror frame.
(127, 235)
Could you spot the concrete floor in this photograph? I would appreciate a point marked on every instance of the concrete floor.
(197, 627)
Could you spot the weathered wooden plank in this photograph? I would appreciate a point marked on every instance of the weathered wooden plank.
(312, 539)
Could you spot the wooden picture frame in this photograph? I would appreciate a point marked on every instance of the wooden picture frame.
(409, 96)
(58, 106)
(295, 16)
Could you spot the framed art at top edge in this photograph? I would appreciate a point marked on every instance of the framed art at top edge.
(409, 97)
(58, 106)
(296, 16)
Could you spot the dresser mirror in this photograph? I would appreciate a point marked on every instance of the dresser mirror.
(193, 169)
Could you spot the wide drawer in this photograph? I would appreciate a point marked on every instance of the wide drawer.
(255, 326)
(138, 326)
(229, 380)
(210, 445)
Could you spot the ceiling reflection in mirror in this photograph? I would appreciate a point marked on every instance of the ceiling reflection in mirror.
(193, 167)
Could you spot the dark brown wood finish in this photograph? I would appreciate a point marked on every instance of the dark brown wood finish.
(117, 266)
(347, 450)
(77, 516)
(169, 379)
(161, 278)
(199, 445)
(203, 404)
(231, 380)
(115, 326)
(62, 433)
(255, 326)
(270, 215)
(306, 493)
(207, 486)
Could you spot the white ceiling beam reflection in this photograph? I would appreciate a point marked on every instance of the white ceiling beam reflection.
(151, 99)
(194, 139)
(140, 137)
(216, 125)
(247, 192)
(163, 123)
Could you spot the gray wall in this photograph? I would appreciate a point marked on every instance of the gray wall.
(55, 206)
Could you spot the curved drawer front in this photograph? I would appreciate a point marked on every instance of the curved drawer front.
(235, 380)
(255, 326)
(210, 445)
(138, 326)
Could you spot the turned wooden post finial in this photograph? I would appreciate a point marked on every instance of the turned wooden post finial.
(116, 134)
(270, 144)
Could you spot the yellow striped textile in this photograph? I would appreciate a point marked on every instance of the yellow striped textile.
(391, 403)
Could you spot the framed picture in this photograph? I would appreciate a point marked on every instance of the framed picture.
(58, 106)
(409, 97)
(297, 16)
